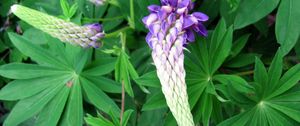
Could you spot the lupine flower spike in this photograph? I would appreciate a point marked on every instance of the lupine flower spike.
(85, 36)
(171, 28)
(98, 2)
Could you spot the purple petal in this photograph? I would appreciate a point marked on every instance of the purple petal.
(150, 19)
(187, 22)
(190, 35)
(181, 10)
(171, 18)
(200, 16)
(173, 3)
(162, 14)
(154, 28)
(173, 33)
(167, 9)
(148, 39)
(97, 27)
(153, 8)
(164, 27)
(160, 36)
(184, 3)
(145, 20)
(164, 2)
(100, 35)
(191, 6)
(201, 30)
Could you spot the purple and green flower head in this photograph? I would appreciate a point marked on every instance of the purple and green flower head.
(84, 36)
(173, 17)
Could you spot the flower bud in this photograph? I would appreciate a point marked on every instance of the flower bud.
(171, 28)
(85, 36)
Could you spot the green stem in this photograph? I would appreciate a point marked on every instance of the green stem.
(122, 104)
(245, 73)
(116, 33)
(123, 40)
(132, 13)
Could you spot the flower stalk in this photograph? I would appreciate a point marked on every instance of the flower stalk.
(85, 36)
(171, 28)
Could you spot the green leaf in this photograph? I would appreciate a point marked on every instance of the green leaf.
(73, 114)
(99, 121)
(251, 11)
(16, 56)
(288, 80)
(241, 60)
(29, 107)
(149, 79)
(50, 114)
(220, 46)
(227, 10)
(195, 91)
(288, 97)
(155, 101)
(65, 7)
(132, 71)
(106, 84)
(260, 76)
(36, 53)
(275, 71)
(17, 70)
(112, 12)
(99, 98)
(292, 113)
(206, 108)
(100, 67)
(73, 10)
(260, 72)
(239, 44)
(81, 58)
(20, 89)
(126, 117)
(237, 82)
(287, 24)
(217, 36)
(275, 118)
(297, 49)
(122, 72)
(238, 120)
(90, 10)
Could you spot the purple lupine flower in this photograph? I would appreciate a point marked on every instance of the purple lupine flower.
(171, 28)
(174, 12)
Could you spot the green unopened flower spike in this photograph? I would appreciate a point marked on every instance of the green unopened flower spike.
(85, 36)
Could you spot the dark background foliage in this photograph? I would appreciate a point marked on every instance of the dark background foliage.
(246, 72)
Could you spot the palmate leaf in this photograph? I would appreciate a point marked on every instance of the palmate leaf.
(52, 89)
(28, 107)
(275, 100)
(206, 56)
(56, 105)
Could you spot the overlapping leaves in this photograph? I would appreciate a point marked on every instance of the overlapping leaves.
(202, 62)
(53, 90)
(275, 100)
